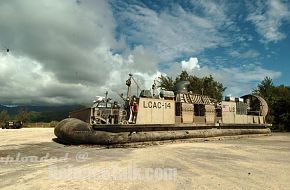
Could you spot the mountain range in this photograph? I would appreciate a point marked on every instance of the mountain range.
(41, 113)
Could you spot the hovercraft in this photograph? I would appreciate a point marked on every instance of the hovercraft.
(171, 115)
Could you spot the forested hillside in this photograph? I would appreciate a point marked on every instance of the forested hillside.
(36, 113)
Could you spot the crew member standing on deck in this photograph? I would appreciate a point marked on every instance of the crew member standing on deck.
(135, 110)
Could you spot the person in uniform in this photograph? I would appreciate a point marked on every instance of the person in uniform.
(135, 111)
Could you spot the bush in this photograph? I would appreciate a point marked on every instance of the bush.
(53, 123)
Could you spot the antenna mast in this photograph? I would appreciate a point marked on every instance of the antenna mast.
(128, 83)
(154, 87)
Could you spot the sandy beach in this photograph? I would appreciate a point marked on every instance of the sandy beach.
(30, 159)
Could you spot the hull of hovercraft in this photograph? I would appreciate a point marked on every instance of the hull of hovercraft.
(75, 131)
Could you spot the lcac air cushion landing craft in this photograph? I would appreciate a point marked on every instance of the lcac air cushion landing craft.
(171, 115)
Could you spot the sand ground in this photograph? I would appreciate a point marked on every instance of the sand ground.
(29, 159)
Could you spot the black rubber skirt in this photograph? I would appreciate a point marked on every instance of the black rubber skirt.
(75, 131)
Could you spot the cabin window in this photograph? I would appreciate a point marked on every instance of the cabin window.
(199, 109)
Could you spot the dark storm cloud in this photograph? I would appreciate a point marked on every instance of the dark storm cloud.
(60, 35)
(66, 40)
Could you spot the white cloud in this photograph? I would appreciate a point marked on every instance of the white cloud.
(245, 54)
(268, 18)
(191, 64)
(61, 52)
(64, 52)
(175, 31)
(24, 81)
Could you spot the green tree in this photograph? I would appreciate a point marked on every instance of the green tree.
(183, 76)
(22, 115)
(213, 88)
(166, 82)
(33, 116)
(265, 87)
(4, 116)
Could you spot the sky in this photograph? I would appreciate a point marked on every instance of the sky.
(69, 51)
